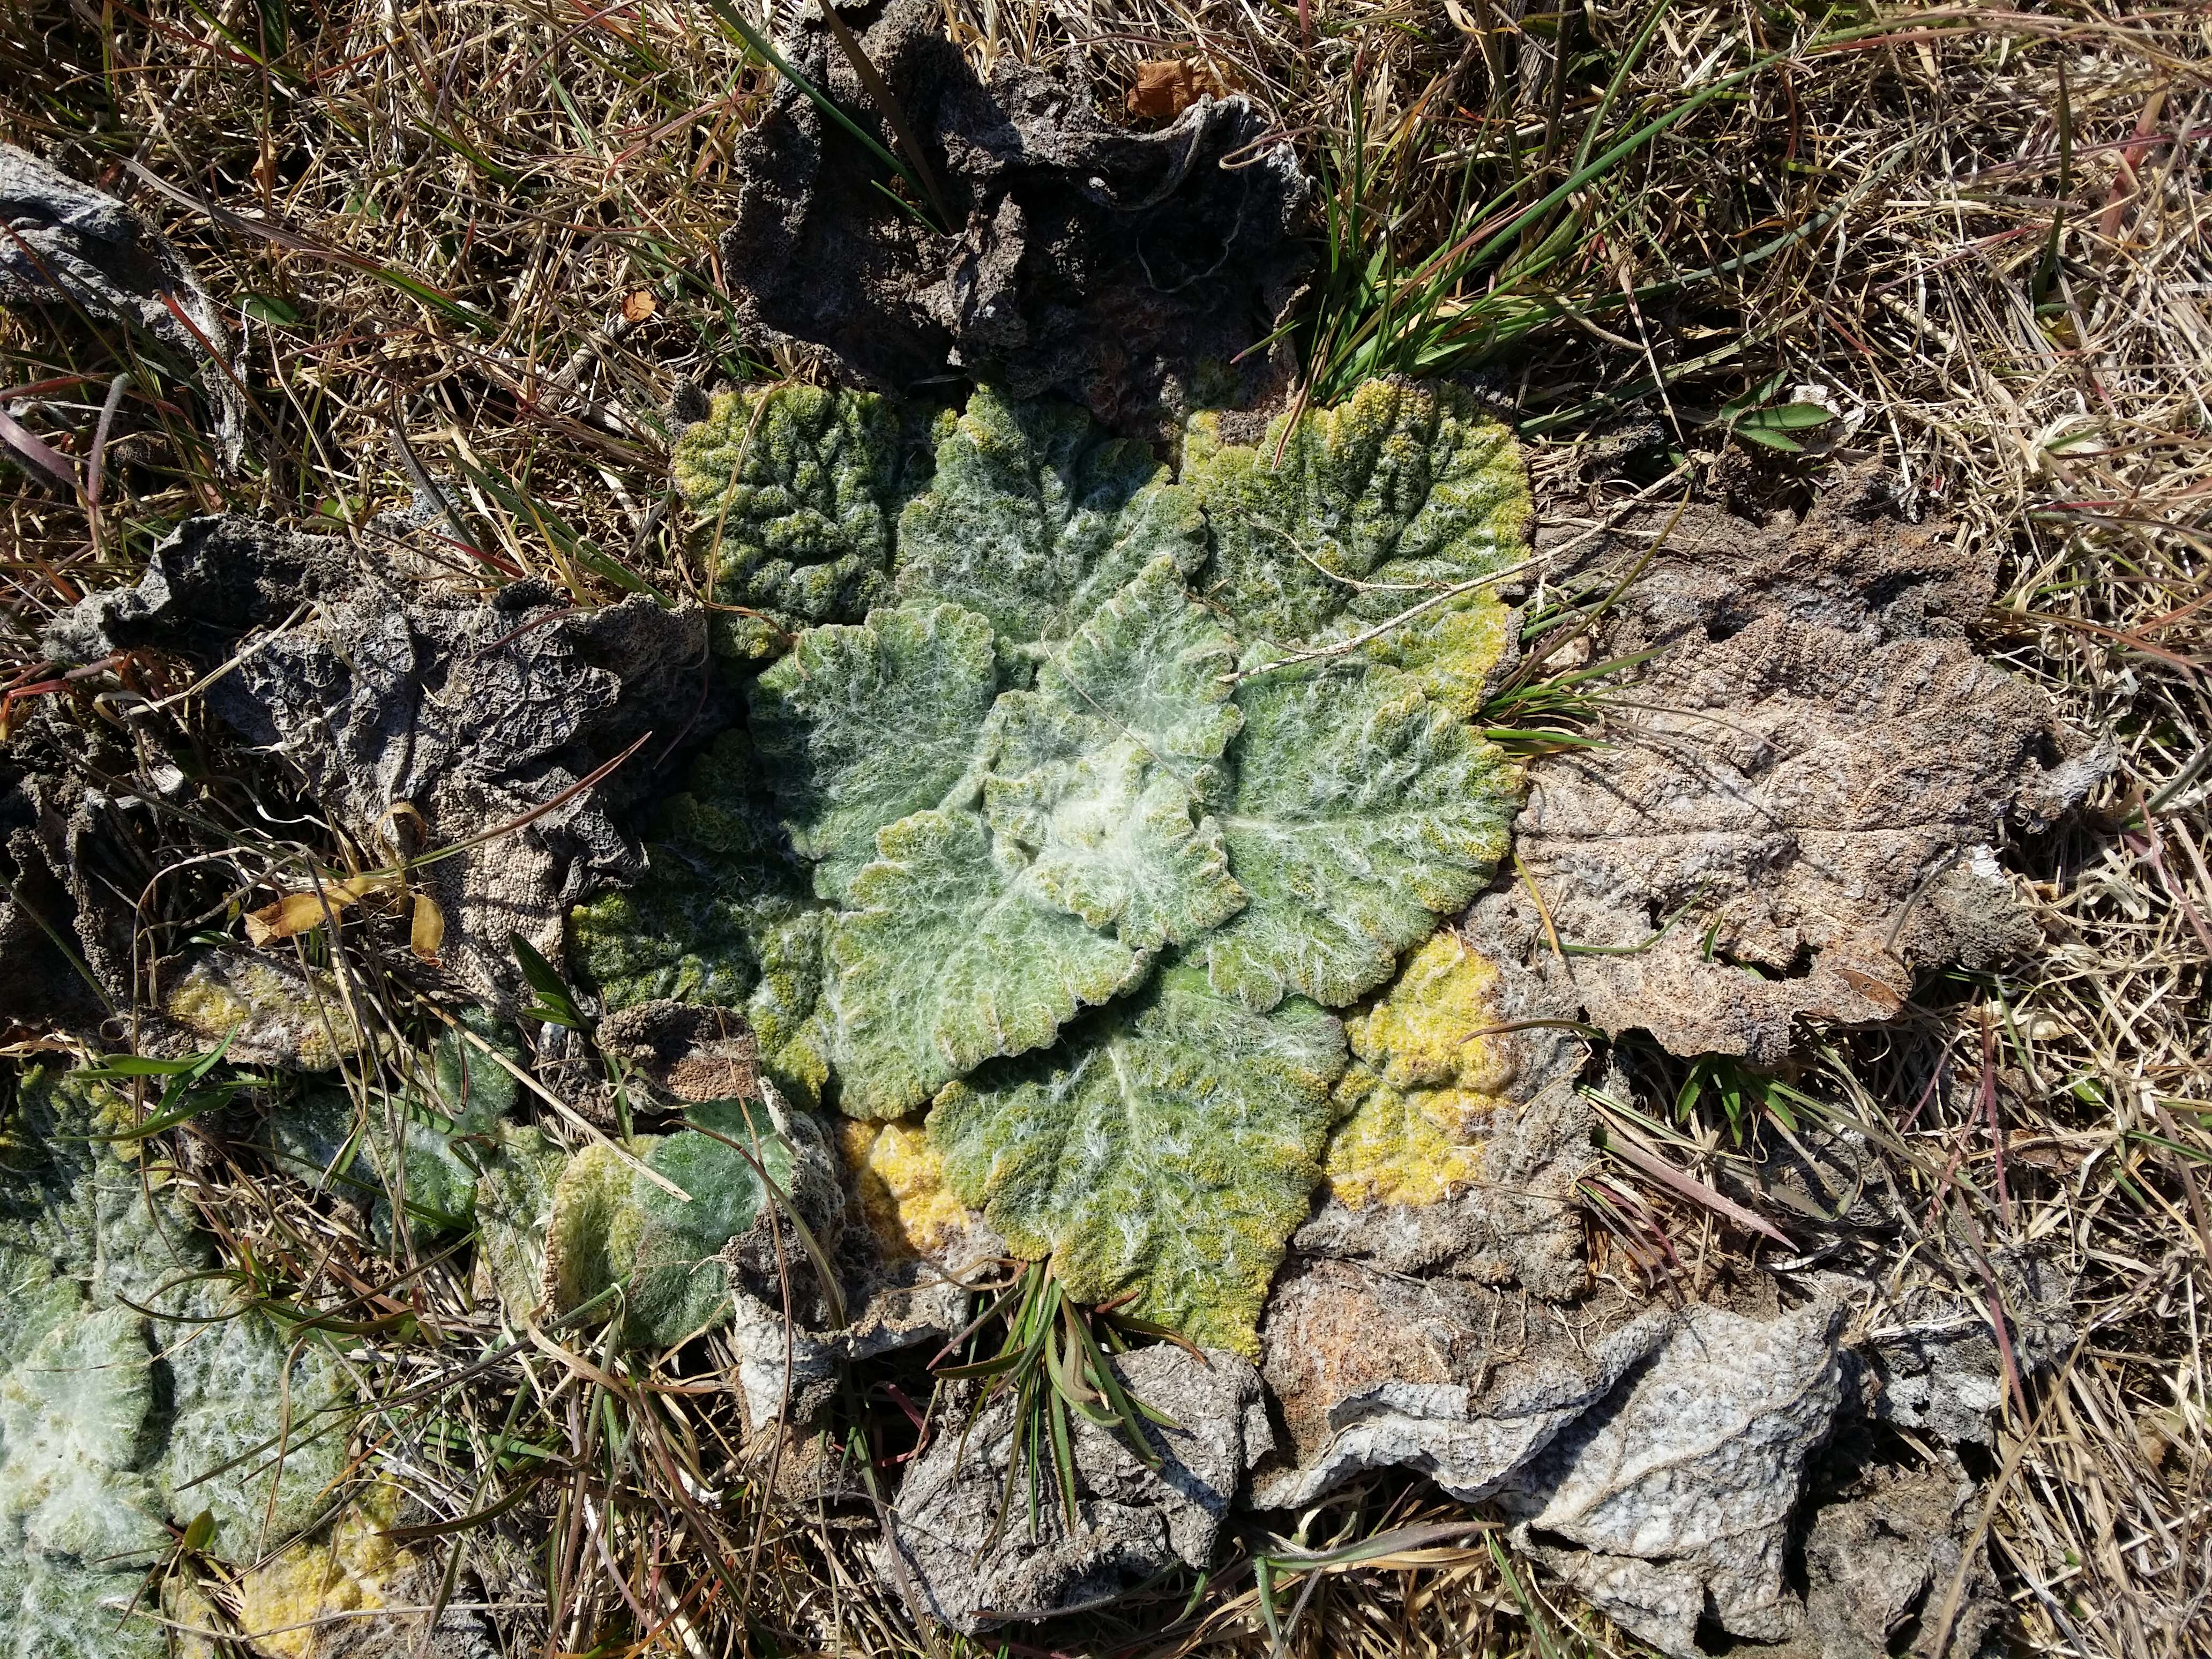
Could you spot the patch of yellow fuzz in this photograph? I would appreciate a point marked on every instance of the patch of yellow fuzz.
(267, 1007)
(207, 1007)
(900, 1178)
(1452, 650)
(1424, 1087)
(355, 1570)
(594, 1223)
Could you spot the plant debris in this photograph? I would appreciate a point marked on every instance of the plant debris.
(1961, 1221)
(270, 1012)
(977, 1549)
(477, 748)
(69, 244)
(1140, 274)
(1795, 812)
(1051, 850)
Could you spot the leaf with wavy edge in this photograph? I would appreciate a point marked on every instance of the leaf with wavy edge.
(1036, 515)
(612, 1226)
(91, 1462)
(724, 916)
(1399, 492)
(1095, 774)
(1112, 841)
(1425, 1087)
(1171, 1145)
(898, 1178)
(1154, 668)
(1361, 812)
(1454, 652)
(797, 490)
(857, 727)
(950, 958)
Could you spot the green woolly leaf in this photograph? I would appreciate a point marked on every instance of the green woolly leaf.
(1095, 774)
(71, 1413)
(1111, 839)
(1034, 732)
(86, 1464)
(677, 1281)
(724, 917)
(796, 490)
(1029, 730)
(1154, 668)
(859, 726)
(785, 1010)
(1172, 1146)
(1453, 651)
(239, 1385)
(1035, 516)
(1399, 493)
(54, 1608)
(610, 1226)
(38, 1299)
(514, 1206)
(439, 1187)
(950, 958)
(1361, 813)
(473, 1090)
(583, 1258)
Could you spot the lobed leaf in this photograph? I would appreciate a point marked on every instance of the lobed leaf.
(950, 958)
(857, 727)
(1096, 776)
(1359, 514)
(1453, 653)
(1153, 668)
(1111, 839)
(1425, 1084)
(613, 1229)
(797, 490)
(1035, 515)
(1361, 812)
(1171, 1147)
(1399, 490)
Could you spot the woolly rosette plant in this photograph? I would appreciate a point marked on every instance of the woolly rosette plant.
(141, 1393)
(1073, 798)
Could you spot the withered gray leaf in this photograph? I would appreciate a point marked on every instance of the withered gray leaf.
(1807, 782)
(418, 722)
(70, 243)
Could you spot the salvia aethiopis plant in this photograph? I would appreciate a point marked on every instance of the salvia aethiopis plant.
(143, 1394)
(1074, 797)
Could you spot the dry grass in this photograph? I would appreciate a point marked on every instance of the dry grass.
(1981, 243)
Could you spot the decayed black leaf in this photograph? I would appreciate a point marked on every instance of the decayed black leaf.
(417, 722)
(67, 243)
(1129, 270)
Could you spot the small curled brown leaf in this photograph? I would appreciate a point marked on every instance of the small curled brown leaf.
(426, 932)
(1166, 86)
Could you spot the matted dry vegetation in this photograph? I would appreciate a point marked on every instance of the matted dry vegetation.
(476, 241)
